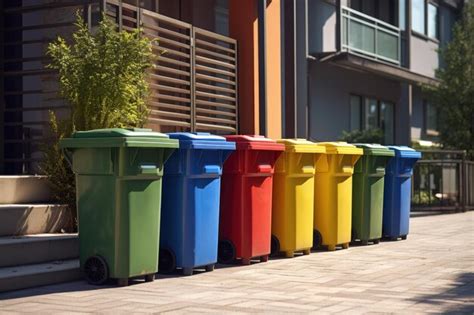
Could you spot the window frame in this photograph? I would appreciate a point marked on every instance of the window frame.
(424, 34)
(362, 111)
(426, 129)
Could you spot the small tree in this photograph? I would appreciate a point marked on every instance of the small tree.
(103, 77)
(454, 97)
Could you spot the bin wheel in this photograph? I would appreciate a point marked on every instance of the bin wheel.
(331, 248)
(275, 246)
(246, 261)
(404, 237)
(306, 251)
(96, 270)
(345, 245)
(317, 239)
(353, 236)
(210, 267)
(364, 242)
(264, 258)
(167, 263)
(122, 282)
(376, 241)
(150, 278)
(226, 252)
(188, 271)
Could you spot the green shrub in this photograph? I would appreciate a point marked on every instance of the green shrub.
(103, 77)
(363, 136)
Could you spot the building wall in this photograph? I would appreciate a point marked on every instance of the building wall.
(330, 90)
(424, 58)
(321, 26)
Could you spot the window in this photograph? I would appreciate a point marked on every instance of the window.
(432, 21)
(418, 16)
(431, 119)
(370, 113)
(424, 18)
(356, 102)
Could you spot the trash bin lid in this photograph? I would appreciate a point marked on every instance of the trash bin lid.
(255, 142)
(301, 146)
(341, 148)
(201, 140)
(118, 137)
(375, 149)
(405, 152)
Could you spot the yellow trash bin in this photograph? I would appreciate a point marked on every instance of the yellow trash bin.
(333, 195)
(293, 197)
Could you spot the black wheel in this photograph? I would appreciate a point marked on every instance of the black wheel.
(353, 236)
(188, 271)
(210, 267)
(150, 278)
(404, 237)
(226, 252)
(167, 263)
(96, 270)
(275, 246)
(376, 241)
(317, 239)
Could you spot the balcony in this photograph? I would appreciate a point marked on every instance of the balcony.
(364, 35)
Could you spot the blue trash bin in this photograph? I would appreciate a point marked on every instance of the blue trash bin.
(190, 202)
(397, 192)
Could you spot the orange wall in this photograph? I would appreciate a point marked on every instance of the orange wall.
(273, 56)
(243, 26)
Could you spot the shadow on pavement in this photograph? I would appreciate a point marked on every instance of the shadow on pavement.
(462, 290)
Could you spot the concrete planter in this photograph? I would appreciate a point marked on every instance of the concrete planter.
(24, 189)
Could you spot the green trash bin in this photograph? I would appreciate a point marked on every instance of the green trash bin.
(118, 189)
(367, 193)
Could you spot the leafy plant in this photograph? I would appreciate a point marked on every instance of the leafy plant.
(454, 97)
(363, 136)
(103, 77)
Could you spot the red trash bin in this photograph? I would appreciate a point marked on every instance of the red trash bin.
(246, 199)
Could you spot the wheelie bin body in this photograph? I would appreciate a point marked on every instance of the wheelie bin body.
(397, 192)
(367, 193)
(191, 193)
(333, 195)
(118, 188)
(246, 200)
(293, 197)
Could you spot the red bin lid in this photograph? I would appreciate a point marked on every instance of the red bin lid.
(255, 142)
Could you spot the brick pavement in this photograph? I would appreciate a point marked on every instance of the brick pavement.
(433, 271)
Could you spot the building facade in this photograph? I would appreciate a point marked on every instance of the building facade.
(366, 62)
(282, 68)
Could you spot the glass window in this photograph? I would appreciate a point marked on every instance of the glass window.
(402, 14)
(431, 117)
(387, 122)
(355, 112)
(371, 114)
(418, 16)
(432, 21)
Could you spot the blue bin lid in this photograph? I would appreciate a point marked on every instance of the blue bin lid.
(405, 152)
(201, 140)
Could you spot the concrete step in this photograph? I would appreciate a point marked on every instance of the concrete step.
(23, 219)
(21, 277)
(24, 189)
(38, 248)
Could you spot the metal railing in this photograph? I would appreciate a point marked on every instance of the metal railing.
(364, 35)
(443, 181)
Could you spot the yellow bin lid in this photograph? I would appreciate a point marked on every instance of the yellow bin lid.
(341, 148)
(301, 146)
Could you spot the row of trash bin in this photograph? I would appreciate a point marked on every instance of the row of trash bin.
(137, 212)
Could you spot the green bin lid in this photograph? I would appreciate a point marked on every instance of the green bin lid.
(118, 137)
(375, 149)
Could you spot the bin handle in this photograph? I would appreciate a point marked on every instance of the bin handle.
(348, 169)
(265, 168)
(148, 169)
(212, 170)
(380, 170)
(307, 170)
